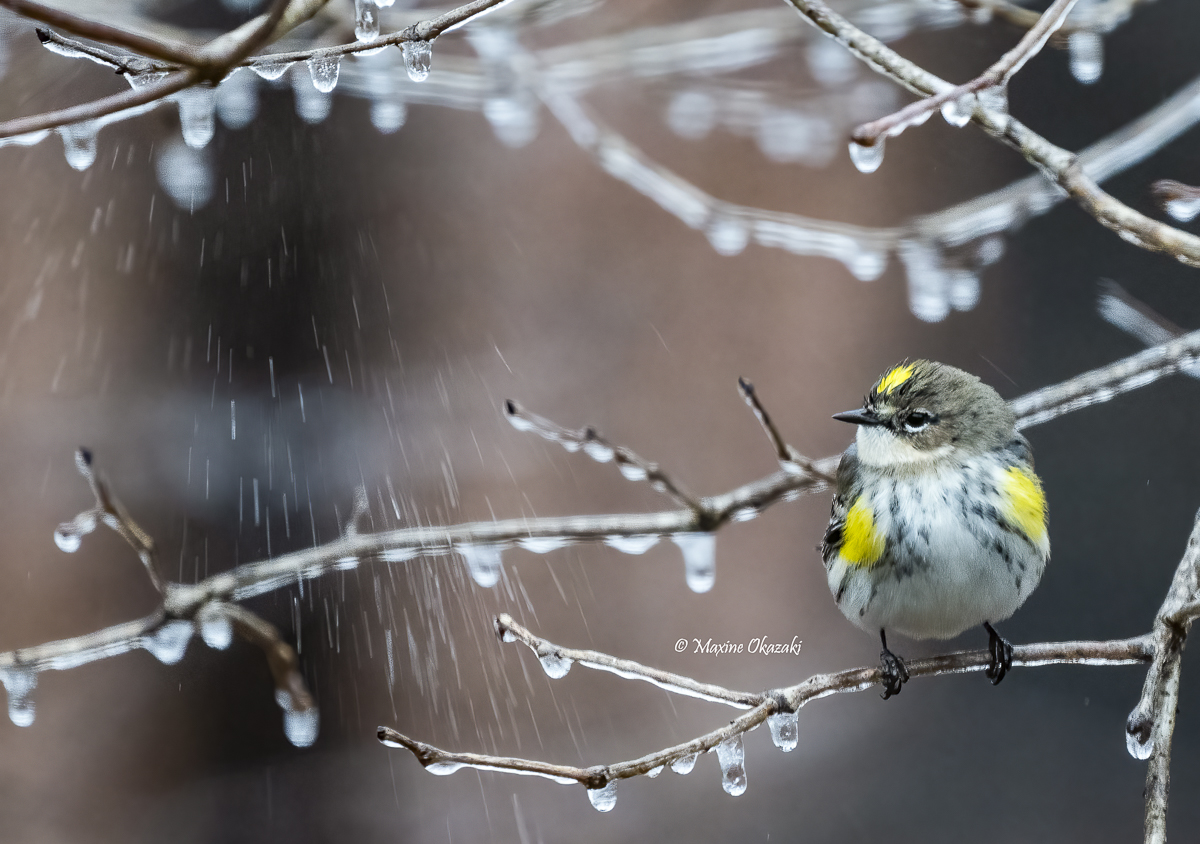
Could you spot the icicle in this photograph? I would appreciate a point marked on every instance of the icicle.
(1137, 747)
(237, 100)
(542, 544)
(483, 561)
(215, 627)
(324, 72)
(1087, 56)
(639, 544)
(958, 112)
(684, 764)
(300, 725)
(603, 799)
(19, 682)
(731, 755)
(438, 769)
(867, 159)
(555, 665)
(418, 56)
(169, 643)
(311, 105)
(79, 143)
(964, 289)
(69, 535)
(654, 772)
(727, 234)
(270, 70)
(366, 20)
(197, 115)
(866, 263)
(699, 559)
(784, 730)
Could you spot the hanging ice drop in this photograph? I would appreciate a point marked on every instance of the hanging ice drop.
(867, 158)
(418, 55)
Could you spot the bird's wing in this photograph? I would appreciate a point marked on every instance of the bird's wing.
(834, 534)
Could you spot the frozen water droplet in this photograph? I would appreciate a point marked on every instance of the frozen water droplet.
(603, 799)
(483, 561)
(69, 535)
(867, 264)
(639, 544)
(79, 143)
(398, 555)
(508, 636)
(692, 114)
(346, 564)
(237, 100)
(964, 289)
(197, 115)
(994, 98)
(542, 544)
(388, 115)
(270, 70)
(1087, 56)
(830, 63)
(418, 56)
(728, 234)
(1139, 748)
(514, 119)
(311, 105)
(185, 174)
(19, 682)
(366, 20)
(867, 159)
(958, 112)
(632, 471)
(599, 452)
(144, 78)
(684, 764)
(731, 755)
(699, 559)
(324, 72)
(169, 643)
(990, 251)
(745, 514)
(215, 627)
(784, 730)
(981, 15)
(301, 726)
(438, 769)
(1184, 210)
(654, 772)
(556, 666)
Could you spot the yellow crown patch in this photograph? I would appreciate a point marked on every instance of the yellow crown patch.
(894, 379)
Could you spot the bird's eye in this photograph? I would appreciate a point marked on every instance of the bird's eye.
(919, 420)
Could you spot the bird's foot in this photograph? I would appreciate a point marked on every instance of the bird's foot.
(893, 672)
(1001, 652)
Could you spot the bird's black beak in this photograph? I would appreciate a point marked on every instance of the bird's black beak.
(862, 416)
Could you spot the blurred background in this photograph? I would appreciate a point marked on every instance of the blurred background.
(607, 211)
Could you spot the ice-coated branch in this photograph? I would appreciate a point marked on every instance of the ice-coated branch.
(777, 707)
(1057, 164)
(789, 458)
(958, 103)
(1097, 17)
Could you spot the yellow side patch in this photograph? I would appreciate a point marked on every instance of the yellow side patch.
(1024, 503)
(894, 379)
(862, 544)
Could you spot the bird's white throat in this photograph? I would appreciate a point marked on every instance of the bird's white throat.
(878, 446)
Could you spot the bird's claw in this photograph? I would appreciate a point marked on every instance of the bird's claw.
(893, 673)
(1001, 655)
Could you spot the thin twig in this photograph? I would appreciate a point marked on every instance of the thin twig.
(996, 76)
(789, 458)
(1057, 164)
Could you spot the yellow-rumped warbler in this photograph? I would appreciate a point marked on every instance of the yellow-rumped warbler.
(939, 522)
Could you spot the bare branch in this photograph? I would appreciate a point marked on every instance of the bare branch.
(789, 458)
(958, 103)
(1057, 164)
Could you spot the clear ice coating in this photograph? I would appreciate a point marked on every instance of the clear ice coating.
(958, 111)
(731, 755)
(867, 159)
(270, 70)
(555, 665)
(654, 772)
(1087, 56)
(19, 682)
(598, 451)
(324, 72)
(632, 471)
(418, 55)
(603, 799)
(1137, 748)
(197, 115)
(699, 559)
(483, 561)
(994, 98)
(366, 20)
(169, 643)
(438, 769)
(639, 544)
(300, 725)
(69, 535)
(542, 544)
(784, 730)
(727, 234)
(684, 764)
(79, 144)
(215, 627)
(867, 263)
